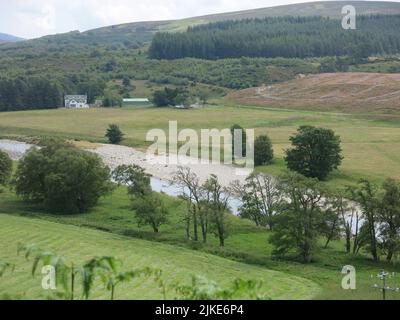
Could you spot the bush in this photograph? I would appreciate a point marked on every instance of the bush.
(5, 168)
(263, 152)
(114, 134)
(171, 97)
(63, 178)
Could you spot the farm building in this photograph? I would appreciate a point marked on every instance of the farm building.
(76, 101)
(136, 101)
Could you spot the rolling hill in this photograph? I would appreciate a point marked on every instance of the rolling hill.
(346, 92)
(138, 32)
(324, 8)
(319, 8)
(81, 244)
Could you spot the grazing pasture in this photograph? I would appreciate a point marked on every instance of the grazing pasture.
(371, 143)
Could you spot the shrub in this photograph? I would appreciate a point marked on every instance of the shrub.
(114, 134)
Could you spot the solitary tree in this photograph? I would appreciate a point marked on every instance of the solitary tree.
(114, 134)
(63, 178)
(5, 168)
(263, 151)
(315, 153)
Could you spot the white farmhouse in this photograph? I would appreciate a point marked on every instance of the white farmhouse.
(76, 101)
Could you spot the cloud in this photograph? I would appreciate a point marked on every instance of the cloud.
(33, 18)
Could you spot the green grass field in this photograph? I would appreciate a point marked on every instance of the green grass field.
(80, 244)
(111, 228)
(371, 144)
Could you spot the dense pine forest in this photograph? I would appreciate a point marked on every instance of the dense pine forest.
(290, 37)
(41, 93)
(29, 94)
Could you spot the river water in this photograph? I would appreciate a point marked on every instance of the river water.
(16, 150)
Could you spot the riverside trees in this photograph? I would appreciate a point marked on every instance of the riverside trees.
(260, 197)
(298, 224)
(207, 205)
(380, 207)
(148, 205)
(300, 211)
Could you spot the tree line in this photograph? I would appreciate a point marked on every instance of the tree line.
(29, 93)
(300, 211)
(290, 37)
(35, 93)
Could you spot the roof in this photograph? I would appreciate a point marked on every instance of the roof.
(136, 100)
(73, 97)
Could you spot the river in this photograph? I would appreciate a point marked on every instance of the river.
(17, 149)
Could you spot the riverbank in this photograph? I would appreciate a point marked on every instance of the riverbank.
(159, 167)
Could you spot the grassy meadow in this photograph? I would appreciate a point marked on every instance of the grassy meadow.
(371, 146)
(111, 229)
(78, 245)
(371, 143)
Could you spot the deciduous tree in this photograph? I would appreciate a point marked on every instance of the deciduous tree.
(315, 153)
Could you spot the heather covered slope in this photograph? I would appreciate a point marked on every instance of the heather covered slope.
(351, 92)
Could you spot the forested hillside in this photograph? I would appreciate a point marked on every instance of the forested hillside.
(34, 93)
(290, 37)
(113, 62)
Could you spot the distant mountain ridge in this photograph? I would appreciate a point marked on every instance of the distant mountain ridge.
(8, 38)
(137, 33)
(331, 9)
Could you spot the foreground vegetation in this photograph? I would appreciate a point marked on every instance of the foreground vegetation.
(246, 243)
(80, 244)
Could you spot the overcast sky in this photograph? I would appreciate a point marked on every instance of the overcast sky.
(34, 18)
